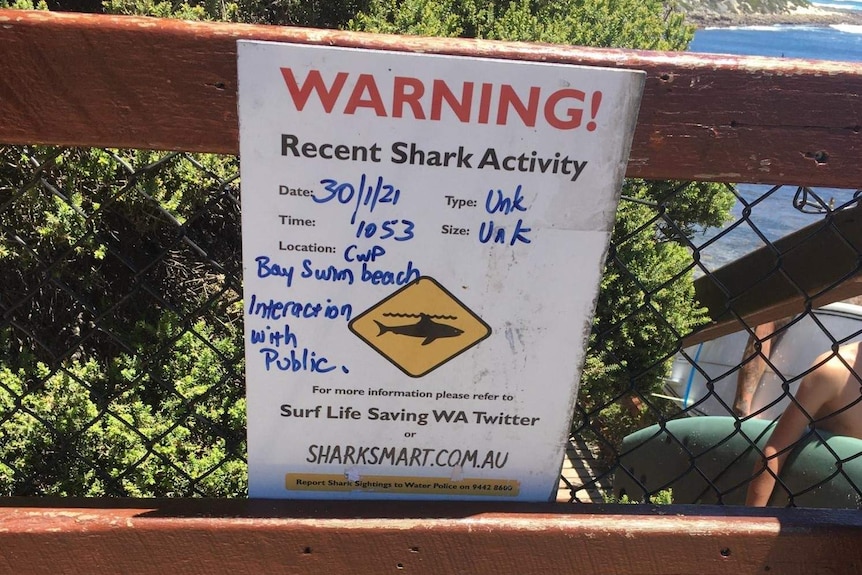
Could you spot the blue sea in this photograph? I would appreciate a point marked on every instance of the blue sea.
(775, 216)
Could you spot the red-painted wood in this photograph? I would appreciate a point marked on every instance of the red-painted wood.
(214, 537)
(78, 79)
(71, 79)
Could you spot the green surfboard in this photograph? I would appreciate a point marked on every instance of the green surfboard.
(711, 460)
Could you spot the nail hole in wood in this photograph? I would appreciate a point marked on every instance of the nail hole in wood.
(306, 551)
(399, 566)
(414, 550)
(725, 552)
(820, 156)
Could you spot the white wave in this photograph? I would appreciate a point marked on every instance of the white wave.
(764, 28)
(848, 4)
(847, 28)
(838, 5)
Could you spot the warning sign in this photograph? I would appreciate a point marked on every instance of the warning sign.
(420, 327)
(423, 241)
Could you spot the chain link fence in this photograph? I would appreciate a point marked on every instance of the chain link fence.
(121, 370)
(121, 338)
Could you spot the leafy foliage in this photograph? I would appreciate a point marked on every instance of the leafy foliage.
(312, 13)
(23, 4)
(600, 23)
(122, 338)
(127, 427)
(646, 301)
(663, 497)
(104, 389)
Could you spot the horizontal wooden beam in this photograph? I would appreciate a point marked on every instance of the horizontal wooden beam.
(820, 263)
(94, 80)
(237, 536)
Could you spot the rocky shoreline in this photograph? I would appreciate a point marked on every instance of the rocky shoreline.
(806, 16)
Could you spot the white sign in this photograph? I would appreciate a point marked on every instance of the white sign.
(423, 239)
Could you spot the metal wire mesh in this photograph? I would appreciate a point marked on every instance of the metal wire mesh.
(121, 370)
(121, 347)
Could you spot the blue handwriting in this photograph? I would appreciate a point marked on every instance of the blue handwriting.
(496, 202)
(361, 195)
(330, 273)
(386, 277)
(353, 254)
(488, 231)
(274, 309)
(297, 360)
(386, 230)
(275, 337)
(265, 270)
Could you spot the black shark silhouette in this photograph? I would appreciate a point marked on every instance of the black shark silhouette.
(425, 328)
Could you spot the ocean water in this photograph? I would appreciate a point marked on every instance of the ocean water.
(843, 4)
(771, 212)
(836, 42)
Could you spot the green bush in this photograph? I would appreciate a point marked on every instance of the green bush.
(122, 337)
(105, 390)
(125, 426)
(663, 497)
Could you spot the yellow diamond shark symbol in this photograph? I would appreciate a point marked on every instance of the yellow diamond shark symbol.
(420, 327)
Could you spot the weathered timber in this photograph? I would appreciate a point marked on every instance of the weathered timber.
(816, 265)
(90, 80)
(218, 536)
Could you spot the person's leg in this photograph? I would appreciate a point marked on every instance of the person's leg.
(752, 370)
(750, 373)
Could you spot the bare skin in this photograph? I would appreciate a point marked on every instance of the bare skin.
(751, 371)
(822, 395)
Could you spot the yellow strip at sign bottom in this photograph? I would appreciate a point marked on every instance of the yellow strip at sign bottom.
(401, 484)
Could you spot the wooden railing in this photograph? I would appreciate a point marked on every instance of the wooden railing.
(83, 80)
